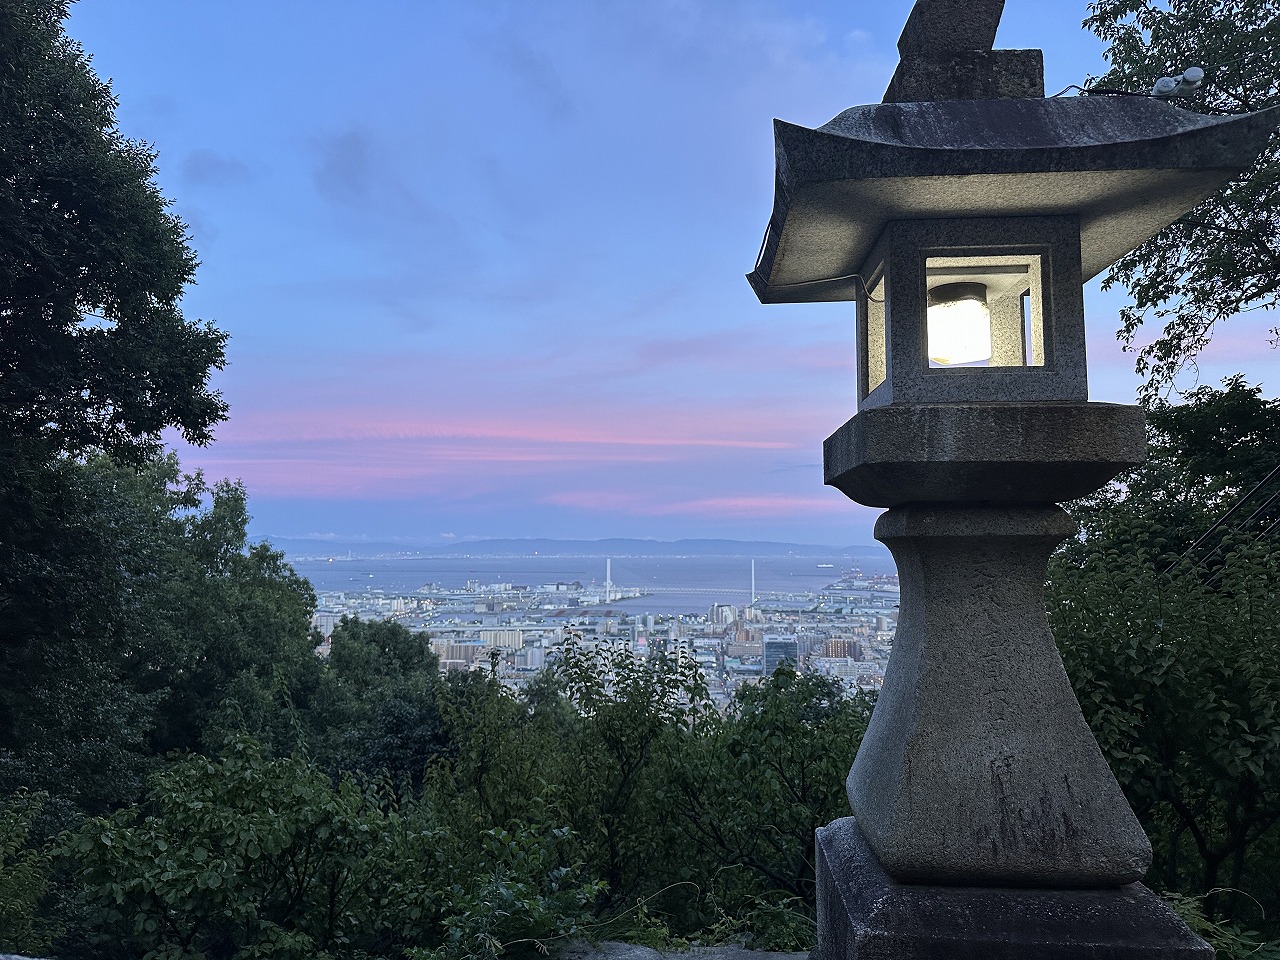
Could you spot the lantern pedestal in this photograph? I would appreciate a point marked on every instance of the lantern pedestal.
(863, 914)
(977, 766)
(986, 821)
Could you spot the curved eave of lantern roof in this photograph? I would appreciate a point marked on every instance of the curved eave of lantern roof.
(1127, 166)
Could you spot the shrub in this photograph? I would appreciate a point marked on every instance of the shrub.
(24, 877)
(245, 857)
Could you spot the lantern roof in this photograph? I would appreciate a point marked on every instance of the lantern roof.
(1127, 166)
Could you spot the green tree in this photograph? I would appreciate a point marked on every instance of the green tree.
(24, 877)
(1175, 653)
(363, 651)
(1223, 257)
(699, 822)
(245, 857)
(609, 793)
(130, 645)
(95, 357)
(249, 857)
(94, 350)
(768, 772)
(378, 709)
(503, 761)
(635, 710)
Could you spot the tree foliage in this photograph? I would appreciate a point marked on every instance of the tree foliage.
(611, 802)
(635, 711)
(250, 857)
(377, 708)
(24, 877)
(94, 350)
(98, 564)
(698, 822)
(751, 790)
(134, 622)
(1223, 257)
(1175, 653)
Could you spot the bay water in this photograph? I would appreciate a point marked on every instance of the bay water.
(673, 584)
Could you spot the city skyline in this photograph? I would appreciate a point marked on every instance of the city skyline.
(482, 264)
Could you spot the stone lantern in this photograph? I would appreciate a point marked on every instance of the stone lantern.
(963, 215)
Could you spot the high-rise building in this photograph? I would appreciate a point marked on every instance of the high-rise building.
(722, 614)
(511, 639)
(778, 649)
(844, 648)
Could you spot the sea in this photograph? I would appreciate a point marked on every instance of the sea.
(671, 584)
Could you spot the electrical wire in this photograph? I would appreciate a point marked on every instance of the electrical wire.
(848, 276)
(1275, 472)
(1108, 91)
(1112, 92)
(1261, 533)
(768, 230)
(1243, 527)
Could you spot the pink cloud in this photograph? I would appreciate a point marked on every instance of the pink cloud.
(744, 507)
(456, 461)
(606, 500)
(1245, 338)
(375, 424)
(388, 469)
(739, 507)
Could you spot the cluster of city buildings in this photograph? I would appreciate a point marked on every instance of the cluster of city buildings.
(845, 631)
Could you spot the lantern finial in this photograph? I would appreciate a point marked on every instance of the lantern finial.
(946, 54)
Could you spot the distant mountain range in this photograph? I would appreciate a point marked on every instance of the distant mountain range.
(627, 547)
(358, 549)
(613, 547)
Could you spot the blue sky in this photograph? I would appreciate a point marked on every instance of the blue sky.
(482, 261)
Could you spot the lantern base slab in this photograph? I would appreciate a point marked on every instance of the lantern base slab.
(863, 914)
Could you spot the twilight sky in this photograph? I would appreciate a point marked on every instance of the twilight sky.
(482, 261)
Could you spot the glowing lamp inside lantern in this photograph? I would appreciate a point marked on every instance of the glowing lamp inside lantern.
(959, 324)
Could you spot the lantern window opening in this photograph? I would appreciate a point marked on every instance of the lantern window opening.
(984, 311)
(1028, 269)
(876, 344)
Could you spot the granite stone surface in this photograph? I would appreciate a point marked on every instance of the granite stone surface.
(968, 75)
(946, 51)
(626, 951)
(1126, 167)
(937, 27)
(901, 259)
(983, 452)
(863, 914)
(977, 766)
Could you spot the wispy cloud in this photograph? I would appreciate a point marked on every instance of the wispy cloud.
(735, 507)
(211, 168)
(750, 506)
(548, 427)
